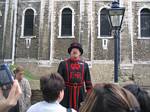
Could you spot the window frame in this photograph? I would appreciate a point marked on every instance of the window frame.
(98, 25)
(139, 24)
(23, 23)
(60, 23)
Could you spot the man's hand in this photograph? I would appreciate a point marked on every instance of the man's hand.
(14, 94)
(1, 94)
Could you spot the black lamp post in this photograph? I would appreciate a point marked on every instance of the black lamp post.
(116, 14)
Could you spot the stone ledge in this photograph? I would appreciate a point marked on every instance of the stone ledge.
(35, 84)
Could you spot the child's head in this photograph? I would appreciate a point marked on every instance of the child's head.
(52, 87)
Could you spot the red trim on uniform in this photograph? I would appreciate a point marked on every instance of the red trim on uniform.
(74, 88)
(75, 100)
(78, 96)
(74, 84)
(70, 96)
(75, 66)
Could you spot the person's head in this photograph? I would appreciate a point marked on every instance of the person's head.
(52, 87)
(19, 73)
(75, 50)
(109, 98)
(142, 96)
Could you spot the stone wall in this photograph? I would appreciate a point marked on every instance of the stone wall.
(21, 49)
(125, 35)
(99, 52)
(45, 30)
(36, 96)
(7, 25)
(141, 47)
(99, 72)
(61, 43)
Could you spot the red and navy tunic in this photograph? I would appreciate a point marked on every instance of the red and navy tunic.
(76, 74)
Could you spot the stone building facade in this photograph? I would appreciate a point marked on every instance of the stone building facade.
(41, 51)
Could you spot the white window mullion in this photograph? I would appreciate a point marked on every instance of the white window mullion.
(139, 23)
(60, 23)
(98, 24)
(73, 23)
(22, 26)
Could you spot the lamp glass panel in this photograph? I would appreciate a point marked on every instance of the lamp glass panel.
(116, 21)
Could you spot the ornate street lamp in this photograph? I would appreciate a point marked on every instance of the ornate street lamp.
(116, 14)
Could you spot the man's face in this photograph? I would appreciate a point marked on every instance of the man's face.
(75, 53)
(19, 75)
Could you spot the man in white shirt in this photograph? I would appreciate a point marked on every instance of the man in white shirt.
(52, 87)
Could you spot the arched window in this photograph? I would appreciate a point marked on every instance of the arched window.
(28, 22)
(104, 26)
(66, 22)
(145, 22)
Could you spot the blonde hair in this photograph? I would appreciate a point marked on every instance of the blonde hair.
(18, 69)
(88, 102)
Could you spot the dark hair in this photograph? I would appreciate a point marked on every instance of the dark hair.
(51, 86)
(142, 96)
(110, 98)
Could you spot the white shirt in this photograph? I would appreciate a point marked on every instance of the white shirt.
(44, 106)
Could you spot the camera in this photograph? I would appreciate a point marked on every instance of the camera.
(6, 77)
